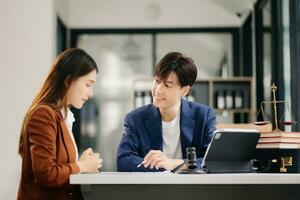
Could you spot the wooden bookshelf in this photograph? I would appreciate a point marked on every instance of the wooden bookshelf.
(208, 91)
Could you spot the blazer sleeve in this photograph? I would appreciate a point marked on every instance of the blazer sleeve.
(42, 132)
(128, 156)
(209, 128)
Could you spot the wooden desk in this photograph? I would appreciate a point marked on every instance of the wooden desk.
(154, 186)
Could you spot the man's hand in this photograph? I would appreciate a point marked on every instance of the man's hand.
(157, 159)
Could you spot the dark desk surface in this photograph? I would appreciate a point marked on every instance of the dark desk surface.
(156, 186)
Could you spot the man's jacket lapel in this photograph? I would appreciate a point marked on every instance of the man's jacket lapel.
(154, 128)
(187, 126)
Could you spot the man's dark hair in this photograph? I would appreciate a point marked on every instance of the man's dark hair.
(183, 66)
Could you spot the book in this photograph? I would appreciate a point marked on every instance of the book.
(279, 145)
(279, 139)
(280, 134)
(243, 130)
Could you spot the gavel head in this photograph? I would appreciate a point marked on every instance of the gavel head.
(191, 157)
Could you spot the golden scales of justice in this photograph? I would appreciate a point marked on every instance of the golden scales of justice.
(275, 102)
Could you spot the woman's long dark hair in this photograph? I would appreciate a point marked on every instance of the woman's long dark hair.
(68, 66)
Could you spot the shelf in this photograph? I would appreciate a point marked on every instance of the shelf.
(219, 93)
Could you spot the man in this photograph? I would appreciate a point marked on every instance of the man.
(157, 135)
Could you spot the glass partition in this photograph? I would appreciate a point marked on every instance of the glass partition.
(121, 59)
(211, 52)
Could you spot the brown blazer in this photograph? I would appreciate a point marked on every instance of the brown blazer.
(48, 158)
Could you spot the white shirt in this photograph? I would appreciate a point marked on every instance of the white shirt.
(69, 123)
(171, 138)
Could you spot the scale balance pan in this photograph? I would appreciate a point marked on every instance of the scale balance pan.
(261, 123)
(288, 123)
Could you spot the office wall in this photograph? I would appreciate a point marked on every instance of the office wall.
(62, 10)
(27, 40)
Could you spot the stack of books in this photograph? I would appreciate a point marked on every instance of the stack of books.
(281, 140)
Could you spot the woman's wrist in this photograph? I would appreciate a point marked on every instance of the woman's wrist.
(81, 166)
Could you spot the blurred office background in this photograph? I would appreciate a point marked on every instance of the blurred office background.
(243, 44)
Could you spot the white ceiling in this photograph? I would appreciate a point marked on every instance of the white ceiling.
(154, 13)
(234, 6)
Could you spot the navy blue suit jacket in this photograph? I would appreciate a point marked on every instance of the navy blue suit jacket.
(143, 132)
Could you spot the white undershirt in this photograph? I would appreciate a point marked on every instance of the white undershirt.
(69, 123)
(171, 138)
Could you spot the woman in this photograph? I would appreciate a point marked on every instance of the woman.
(47, 146)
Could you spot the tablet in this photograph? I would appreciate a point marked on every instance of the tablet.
(231, 151)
